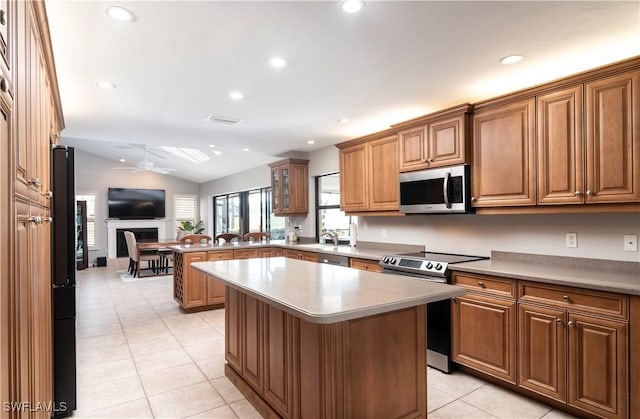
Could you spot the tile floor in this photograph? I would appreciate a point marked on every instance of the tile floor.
(140, 356)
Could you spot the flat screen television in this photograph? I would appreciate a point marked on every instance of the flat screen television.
(136, 204)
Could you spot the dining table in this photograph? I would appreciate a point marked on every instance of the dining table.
(164, 251)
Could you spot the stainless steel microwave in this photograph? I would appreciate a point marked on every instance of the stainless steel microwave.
(436, 191)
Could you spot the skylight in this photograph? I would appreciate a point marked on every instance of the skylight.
(189, 154)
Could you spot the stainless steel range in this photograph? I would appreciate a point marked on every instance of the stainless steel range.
(431, 266)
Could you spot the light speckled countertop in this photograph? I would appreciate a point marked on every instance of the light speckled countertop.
(596, 274)
(322, 293)
(342, 250)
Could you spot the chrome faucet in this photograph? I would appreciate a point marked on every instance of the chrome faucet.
(332, 234)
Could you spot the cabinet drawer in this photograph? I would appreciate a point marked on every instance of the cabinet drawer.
(221, 255)
(596, 302)
(245, 254)
(365, 265)
(491, 285)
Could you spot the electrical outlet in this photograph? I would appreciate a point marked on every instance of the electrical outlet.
(384, 233)
(572, 239)
(630, 242)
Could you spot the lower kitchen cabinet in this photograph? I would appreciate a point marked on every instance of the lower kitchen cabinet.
(194, 283)
(271, 252)
(365, 265)
(301, 255)
(484, 334)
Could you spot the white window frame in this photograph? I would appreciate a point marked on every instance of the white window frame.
(94, 220)
(193, 197)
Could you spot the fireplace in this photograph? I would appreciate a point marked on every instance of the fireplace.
(142, 234)
(161, 226)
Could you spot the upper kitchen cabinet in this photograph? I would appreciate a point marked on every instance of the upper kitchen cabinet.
(290, 187)
(504, 155)
(435, 140)
(369, 174)
(613, 139)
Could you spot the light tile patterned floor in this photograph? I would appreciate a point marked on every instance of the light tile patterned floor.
(140, 356)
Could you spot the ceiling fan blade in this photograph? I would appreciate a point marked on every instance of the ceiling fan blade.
(123, 168)
(155, 153)
(166, 169)
(161, 171)
(139, 170)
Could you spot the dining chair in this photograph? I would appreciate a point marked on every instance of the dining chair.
(194, 239)
(256, 236)
(228, 237)
(138, 257)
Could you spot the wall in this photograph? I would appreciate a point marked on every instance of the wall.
(94, 175)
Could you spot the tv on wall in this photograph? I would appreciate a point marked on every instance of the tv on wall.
(136, 204)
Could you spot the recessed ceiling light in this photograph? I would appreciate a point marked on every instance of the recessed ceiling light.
(106, 84)
(245, 149)
(343, 120)
(212, 145)
(122, 160)
(278, 62)
(311, 142)
(352, 6)
(216, 152)
(236, 95)
(120, 13)
(511, 59)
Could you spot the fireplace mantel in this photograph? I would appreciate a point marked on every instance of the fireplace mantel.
(113, 225)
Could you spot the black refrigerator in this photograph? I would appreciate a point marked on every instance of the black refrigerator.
(63, 279)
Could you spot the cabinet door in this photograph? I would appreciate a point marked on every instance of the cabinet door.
(560, 147)
(292, 254)
(278, 360)
(252, 344)
(383, 174)
(298, 189)
(4, 33)
(447, 142)
(542, 343)
(246, 254)
(413, 149)
(504, 155)
(233, 314)
(309, 256)
(194, 282)
(276, 190)
(215, 288)
(364, 265)
(613, 139)
(484, 335)
(598, 365)
(6, 288)
(353, 178)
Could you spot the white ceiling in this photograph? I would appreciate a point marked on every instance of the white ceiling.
(176, 64)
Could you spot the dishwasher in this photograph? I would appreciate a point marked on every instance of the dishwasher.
(333, 259)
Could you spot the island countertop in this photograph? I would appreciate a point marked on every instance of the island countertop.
(322, 293)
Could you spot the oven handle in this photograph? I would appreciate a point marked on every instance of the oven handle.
(445, 190)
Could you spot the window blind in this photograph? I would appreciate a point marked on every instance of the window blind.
(185, 207)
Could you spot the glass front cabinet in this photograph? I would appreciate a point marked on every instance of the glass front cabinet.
(290, 187)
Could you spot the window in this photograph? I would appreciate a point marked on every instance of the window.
(185, 207)
(244, 212)
(329, 215)
(92, 234)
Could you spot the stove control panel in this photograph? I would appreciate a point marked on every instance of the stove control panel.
(412, 264)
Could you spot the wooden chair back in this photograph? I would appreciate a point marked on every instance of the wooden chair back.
(228, 237)
(256, 236)
(194, 239)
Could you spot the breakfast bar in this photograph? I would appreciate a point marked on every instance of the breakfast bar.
(304, 339)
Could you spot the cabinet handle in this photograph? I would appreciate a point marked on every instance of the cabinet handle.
(577, 193)
(36, 220)
(481, 284)
(570, 324)
(424, 161)
(429, 160)
(4, 85)
(35, 182)
(565, 297)
(47, 219)
(3, 17)
(48, 194)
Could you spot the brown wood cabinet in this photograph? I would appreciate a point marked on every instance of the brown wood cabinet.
(365, 265)
(301, 255)
(369, 174)
(503, 171)
(290, 187)
(246, 253)
(215, 289)
(435, 140)
(271, 252)
(194, 282)
(6, 280)
(192, 289)
(573, 347)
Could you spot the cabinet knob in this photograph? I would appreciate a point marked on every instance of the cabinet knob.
(589, 193)
(430, 160)
(577, 193)
(3, 17)
(47, 219)
(36, 220)
(559, 321)
(35, 182)
(48, 194)
(366, 266)
(481, 284)
(473, 199)
(570, 324)
(4, 85)
(424, 161)
(565, 297)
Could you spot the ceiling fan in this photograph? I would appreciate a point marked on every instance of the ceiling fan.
(146, 166)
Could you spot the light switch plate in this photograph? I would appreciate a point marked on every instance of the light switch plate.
(572, 239)
(630, 243)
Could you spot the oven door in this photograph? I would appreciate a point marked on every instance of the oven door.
(444, 190)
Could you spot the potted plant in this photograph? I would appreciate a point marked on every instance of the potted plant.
(187, 227)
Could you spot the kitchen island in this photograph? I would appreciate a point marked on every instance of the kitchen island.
(304, 339)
